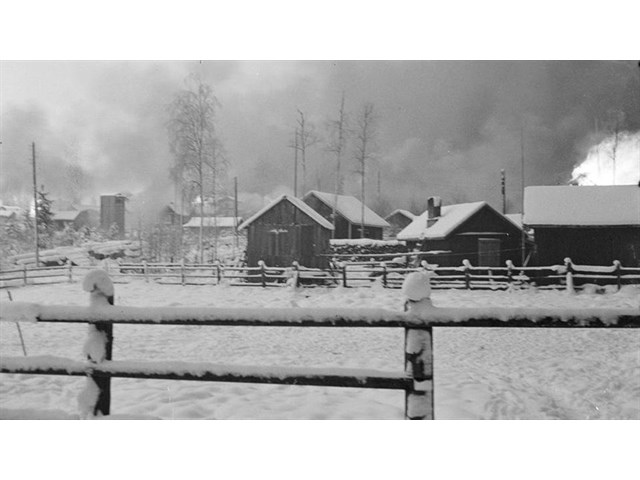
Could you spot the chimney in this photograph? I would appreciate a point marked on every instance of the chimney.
(433, 210)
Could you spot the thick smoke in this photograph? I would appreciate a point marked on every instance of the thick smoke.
(443, 128)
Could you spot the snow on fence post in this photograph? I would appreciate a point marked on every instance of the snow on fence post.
(296, 274)
(146, 271)
(96, 397)
(467, 273)
(263, 273)
(569, 266)
(618, 266)
(509, 272)
(418, 350)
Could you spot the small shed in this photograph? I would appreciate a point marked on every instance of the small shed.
(287, 230)
(472, 231)
(398, 220)
(349, 215)
(592, 225)
(76, 219)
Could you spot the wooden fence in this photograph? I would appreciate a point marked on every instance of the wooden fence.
(416, 379)
(345, 274)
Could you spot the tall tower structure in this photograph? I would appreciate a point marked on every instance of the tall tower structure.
(112, 208)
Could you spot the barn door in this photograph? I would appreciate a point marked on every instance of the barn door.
(307, 247)
(488, 252)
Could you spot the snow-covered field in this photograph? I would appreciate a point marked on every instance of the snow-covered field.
(480, 373)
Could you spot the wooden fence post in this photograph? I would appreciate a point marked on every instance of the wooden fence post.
(70, 265)
(569, 266)
(344, 274)
(384, 274)
(218, 272)
(103, 404)
(182, 279)
(24, 273)
(510, 272)
(146, 271)
(263, 274)
(296, 274)
(418, 357)
(467, 273)
(618, 273)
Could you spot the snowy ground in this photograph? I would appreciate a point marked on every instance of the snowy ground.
(481, 373)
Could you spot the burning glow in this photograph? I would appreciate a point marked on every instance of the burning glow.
(599, 167)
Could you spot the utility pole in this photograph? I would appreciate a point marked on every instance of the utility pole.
(504, 195)
(295, 164)
(235, 210)
(522, 240)
(35, 202)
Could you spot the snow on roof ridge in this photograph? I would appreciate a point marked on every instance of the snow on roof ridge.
(451, 217)
(350, 207)
(406, 213)
(296, 202)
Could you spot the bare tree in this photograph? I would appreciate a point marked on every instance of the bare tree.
(195, 144)
(338, 133)
(306, 138)
(364, 137)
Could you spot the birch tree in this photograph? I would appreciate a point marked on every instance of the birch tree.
(195, 144)
(306, 137)
(364, 143)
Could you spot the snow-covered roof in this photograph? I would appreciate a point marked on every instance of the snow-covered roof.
(350, 208)
(451, 216)
(219, 222)
(582, 205)
(297, 203)
(8, 210)
(65, 215)
(400, 211)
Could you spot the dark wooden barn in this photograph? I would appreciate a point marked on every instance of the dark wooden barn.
(285, 231)
(472, 231)
(348, 215)
(592, 225)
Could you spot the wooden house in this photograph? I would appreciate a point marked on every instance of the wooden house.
(348, 211)
(221, 225)
(76, 219)
(466, 231)
(285, 231)
(397, 220)
(592, 225)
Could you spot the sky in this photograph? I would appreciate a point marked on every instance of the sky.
(444, 128)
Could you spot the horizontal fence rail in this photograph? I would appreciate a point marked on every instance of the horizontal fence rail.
(344, 274)
(416, 379)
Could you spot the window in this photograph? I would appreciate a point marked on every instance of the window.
(488, 252)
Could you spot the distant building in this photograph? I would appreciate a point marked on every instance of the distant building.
(112, 212)
(223, 225)
(466, 231)
(348, 213)
(76, 219)
(592, 225)
(171, 215)
(9, 214)
(285, 231)
(223, 206)
(397, 220)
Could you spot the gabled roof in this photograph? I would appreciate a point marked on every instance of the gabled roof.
(451, 217)
(350, 208)
(400, 211)
(297, 203)
(582, 205)
(208, 222)
(66, 215)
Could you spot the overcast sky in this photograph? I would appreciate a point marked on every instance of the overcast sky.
(443, 128)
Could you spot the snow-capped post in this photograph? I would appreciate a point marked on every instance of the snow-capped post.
(70, 268)
(384, 274)
(569, 267)
(618, 266)
(418, 349)
(296, 274)
(146, 271)
(95, 399)
(509, 272)
(467, 273)
(263, 273)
